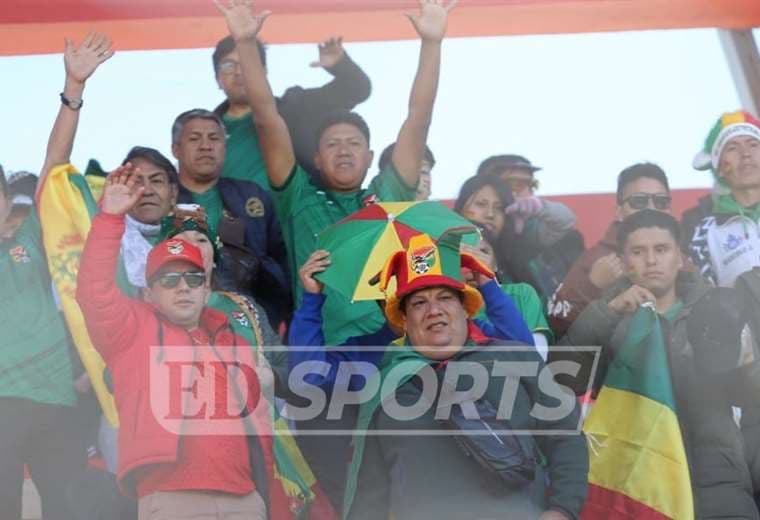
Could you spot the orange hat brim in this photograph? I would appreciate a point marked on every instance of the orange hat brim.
(472, 300)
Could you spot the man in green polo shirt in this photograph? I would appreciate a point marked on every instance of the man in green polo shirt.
(37, 394)
(306, 207)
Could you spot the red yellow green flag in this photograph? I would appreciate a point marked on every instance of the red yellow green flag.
(66, 204)
(638, 467)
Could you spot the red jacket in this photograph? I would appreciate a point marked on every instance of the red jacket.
(576, 290)
(123, 331)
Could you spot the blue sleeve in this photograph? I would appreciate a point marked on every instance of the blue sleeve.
(306, 331)
(306, 327)
(504, 318)
(384, 336)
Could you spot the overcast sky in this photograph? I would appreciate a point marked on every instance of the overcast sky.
(581, 106)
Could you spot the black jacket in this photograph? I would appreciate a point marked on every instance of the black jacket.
(417, 476)
(303, 109)
(720, 477)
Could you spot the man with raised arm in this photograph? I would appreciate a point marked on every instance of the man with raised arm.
(179, 471)
(302, 108)
(306, 207)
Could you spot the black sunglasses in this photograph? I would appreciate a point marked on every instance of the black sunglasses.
(192, 279)
(641, 201)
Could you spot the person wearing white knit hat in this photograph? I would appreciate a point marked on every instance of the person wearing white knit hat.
(726, 243)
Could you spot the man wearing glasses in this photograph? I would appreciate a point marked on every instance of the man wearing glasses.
(201, 465)
(640, 186)
(302, 108)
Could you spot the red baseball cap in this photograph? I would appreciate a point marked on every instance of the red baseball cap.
(172, 250)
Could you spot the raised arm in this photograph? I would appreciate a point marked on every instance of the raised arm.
(430, 24)
(304, 109)
(79, 62)
(350, 85)
(276, 146)
(111, 316)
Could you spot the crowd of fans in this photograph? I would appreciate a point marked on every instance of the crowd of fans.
(104, 275)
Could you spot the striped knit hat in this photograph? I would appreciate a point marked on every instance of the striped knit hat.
(189, 217)
(728, 126)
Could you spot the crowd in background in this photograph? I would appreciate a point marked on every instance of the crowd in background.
(218, 248)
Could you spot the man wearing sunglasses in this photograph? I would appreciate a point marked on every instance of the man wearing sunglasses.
(214, 468)
(641, 186)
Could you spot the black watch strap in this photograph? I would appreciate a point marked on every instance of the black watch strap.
(73, 104)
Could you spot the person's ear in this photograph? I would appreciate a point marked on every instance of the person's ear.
(175, 150)
(174, 194)
(318, 160)
(370, 158)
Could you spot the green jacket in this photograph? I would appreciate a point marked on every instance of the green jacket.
(417, 476)
(720, 477)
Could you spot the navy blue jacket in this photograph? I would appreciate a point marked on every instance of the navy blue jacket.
(252, 204)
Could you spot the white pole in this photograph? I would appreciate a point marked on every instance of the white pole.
(743, 59)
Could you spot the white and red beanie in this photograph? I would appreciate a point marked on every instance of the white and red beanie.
(728, 126)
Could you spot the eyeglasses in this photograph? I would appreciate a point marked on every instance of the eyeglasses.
(641, 201)
(193, 279)
(228, 67)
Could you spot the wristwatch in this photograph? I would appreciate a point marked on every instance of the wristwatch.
(73, 104)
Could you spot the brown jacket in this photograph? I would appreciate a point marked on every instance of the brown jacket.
(576, 290)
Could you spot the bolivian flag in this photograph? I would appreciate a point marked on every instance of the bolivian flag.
(66, 203)
(638, 466)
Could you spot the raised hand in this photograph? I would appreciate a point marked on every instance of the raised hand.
(120, 193)
(522, 209)
(242, 20)
(81, 62)
(330, 53)
(606, 271)
(478, 279)
(317, 262)
(430, 24)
